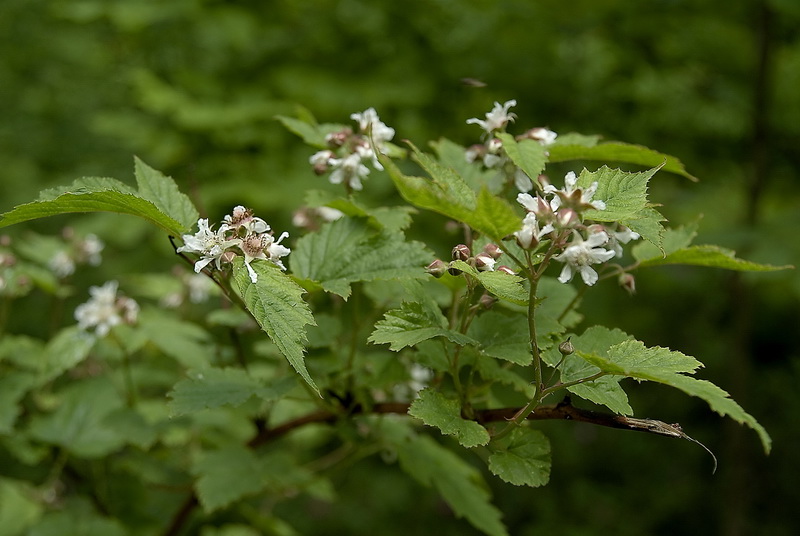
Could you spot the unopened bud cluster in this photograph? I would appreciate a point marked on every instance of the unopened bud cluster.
(347, 150)
(484, 261)
(240, 233)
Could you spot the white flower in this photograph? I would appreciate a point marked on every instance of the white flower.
(211, 245)
(496, 119)
(242, 218)
(530, 234)
(349, 170)
(580, 253)
(368, 119)
(62, 264)
(264, 247)
(576, 198)
(522, 181)
(542, 135)
(104, 310)
(622, 235)
(90, 249)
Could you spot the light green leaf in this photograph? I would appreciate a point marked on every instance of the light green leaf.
(227, 475)
(276, 302)
(185, 342)
(213, 387)
(506, 286)
(452, 155)
(435, 409)
(711, 256)
(459, 483)
(347, 250)
(528, 155)
(448, 194)
(625, 194)
(574, 138)
(162, 191)
(633, 359)
(309, 132)
(648, 225)
(19, 508)
(82, 198)
(617, 152)
(389, 218)
(522, 458)
(411, 324)
(673, 240)
(13, 386)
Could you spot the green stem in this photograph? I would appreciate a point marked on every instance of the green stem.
(557, 387)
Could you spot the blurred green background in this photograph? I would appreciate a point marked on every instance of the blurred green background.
(192, 87)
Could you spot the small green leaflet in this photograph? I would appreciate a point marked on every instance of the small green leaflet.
(276, 303)
(348, 250)
(448, 194)
(213, 387)
(157, 201)
(528, 155)
(616, 152)
(435, 409)
(411, 324)
(522, 458)
(459, 483)
(506, 286)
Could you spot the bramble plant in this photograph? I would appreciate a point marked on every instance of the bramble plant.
(374, 344)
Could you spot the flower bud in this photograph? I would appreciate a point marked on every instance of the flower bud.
(487, 300)
(337, 139)
(484, 263)
(493, 251)
(437, 268)
(566, 348)
(506, 270)
(494, 145)
(461, 253)
(566, 218)
(628, 282)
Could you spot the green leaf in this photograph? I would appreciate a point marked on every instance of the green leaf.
(528, 155)
(411, 324)
(574, 138)
(347, 250)
(77, 518)
(503, 336)
(459, 483)
(506, 286)
(617, 152)
(18, 507)
(447, 193)
(309, 132)
(648, 225)
(185, 342)
(389, 218)
(69, 347)
(633, 359)
(213, 387)
(77, 424)
(131, 425)
(13, 386)
(227, 475)
(162, 191)
(711, 256)
(102, 198)
(625, 194)
(435, 409)
(522, 458)
(673, 240)
(276, 302)
(452, 155)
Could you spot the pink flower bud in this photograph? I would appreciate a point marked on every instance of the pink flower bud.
(506, 270)
(437, 268)
(461, 253)
(484, 262)
(492, 250)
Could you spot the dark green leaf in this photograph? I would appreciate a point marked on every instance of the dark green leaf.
(435, 409)
(522, 458)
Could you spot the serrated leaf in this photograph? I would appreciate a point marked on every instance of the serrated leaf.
(411, 324)
(710, 256)
(435, 409)
(447, 193)
(528, 155)
(648, 225)
(633, 359)
(460, 484)
(346, 251)
(276, 302)
(212, 388)
(93, 199)
(503, 336)
(162, 191)
(617, 152)
(625, 194)
(227, 475)
(506, 286)
(522, 458)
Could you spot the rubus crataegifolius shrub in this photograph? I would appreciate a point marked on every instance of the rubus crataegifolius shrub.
(375, 343)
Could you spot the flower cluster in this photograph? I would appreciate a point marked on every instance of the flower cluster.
(239, 233)
(347, 150)
(105, 309)
(491, 152)
(483, 262)
(558, 214)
